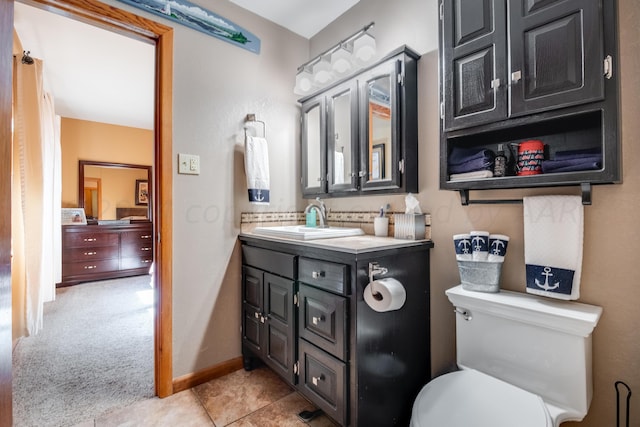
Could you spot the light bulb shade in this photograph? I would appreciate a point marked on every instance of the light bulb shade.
(304, 82)
(322, 73)
(364, 48)
(341, 61)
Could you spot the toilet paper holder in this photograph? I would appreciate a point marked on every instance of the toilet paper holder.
(376, 270)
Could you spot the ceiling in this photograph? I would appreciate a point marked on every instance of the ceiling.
(97, 75)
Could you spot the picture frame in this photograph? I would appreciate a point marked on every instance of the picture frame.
(377, 162)
(73, 216)
(142, 192)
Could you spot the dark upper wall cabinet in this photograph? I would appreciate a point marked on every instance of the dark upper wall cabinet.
(507, 61)
(535, 69)
(360, 135)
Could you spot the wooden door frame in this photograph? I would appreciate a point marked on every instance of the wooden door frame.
(161, 36)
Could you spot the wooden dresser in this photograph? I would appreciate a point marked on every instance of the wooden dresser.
(98, 252)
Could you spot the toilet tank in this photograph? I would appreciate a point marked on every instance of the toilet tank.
(535, 343)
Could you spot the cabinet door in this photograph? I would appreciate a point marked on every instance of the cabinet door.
(474, 61)
(379, 126)
(342, 138)
(556, 54)
(252, 317)
(314, 147)
(280, 325)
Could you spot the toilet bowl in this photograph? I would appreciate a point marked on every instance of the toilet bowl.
(524, 361)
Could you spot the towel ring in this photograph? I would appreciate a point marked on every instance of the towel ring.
(252, 118)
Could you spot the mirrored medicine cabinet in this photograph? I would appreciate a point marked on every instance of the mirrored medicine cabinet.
(360, 135)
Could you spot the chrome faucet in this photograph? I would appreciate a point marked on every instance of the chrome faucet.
(321, 210)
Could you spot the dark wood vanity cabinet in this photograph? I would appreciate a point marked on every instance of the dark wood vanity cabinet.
(360, 366)
(360, 135)
(98, 252)
(514, 71)
(268, 311)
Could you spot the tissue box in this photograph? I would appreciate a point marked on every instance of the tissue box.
(481, 276)
(409, 226)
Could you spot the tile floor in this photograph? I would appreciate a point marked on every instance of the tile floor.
(241, 399)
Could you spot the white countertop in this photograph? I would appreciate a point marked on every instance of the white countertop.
(353, 244)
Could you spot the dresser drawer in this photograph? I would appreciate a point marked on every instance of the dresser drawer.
(89, 254)
(89, 267)
(138, 237)
(136, 262)
(139, 249)
(323, 320)
(323, 274)
(323, 380)
(90, 239)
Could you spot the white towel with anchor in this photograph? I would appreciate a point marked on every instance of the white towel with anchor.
(256, 166)
(553, 238)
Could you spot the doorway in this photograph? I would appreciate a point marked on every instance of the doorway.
(125, 23)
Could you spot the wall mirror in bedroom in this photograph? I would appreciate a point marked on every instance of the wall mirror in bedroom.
(114, 191)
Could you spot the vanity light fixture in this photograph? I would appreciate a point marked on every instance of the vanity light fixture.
(347, 56)
(341, 59)
(322, 72)
(304, 81)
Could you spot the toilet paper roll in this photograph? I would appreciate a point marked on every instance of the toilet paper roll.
(385, 295)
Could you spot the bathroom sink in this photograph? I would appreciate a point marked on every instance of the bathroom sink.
(302, 232)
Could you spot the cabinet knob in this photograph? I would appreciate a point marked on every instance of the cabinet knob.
(516, 76)
(315, 320)
(257, 315)
(495, 83)
(317, 274)
(315, 380)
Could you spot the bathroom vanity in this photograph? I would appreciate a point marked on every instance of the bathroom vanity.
(304, 316)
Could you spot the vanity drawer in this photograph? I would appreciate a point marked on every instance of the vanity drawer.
(323, 320)
(323, 274)
(274, 262)
(323, 380)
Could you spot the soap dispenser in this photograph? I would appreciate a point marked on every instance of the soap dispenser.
(500, 162)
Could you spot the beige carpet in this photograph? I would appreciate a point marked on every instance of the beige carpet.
(94, 354)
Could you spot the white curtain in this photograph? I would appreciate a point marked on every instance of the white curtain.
(36, 192)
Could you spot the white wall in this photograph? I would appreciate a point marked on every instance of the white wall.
(215, 85)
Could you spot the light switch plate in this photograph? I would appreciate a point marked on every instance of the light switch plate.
(189, 164)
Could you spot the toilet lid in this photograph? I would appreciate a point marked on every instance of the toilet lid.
(470, 398)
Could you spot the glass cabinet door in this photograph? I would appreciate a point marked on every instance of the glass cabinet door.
(314, 148)
(342, 138)
(379, 145)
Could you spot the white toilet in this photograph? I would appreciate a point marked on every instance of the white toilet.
(525, 361)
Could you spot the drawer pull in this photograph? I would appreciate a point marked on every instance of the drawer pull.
(317, 274)
(315, 380)
(91, 253)
(145, 249)
(315, 320)
(146, 236)
(90, 267)
(90, 239)
(146, 261)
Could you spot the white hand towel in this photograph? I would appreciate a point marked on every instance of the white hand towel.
(338, 167)
(553, 238)
(256, 166)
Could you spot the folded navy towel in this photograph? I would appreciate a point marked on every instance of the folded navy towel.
(463, 155)
(571, 165)
(473, 165)
(578, 154)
